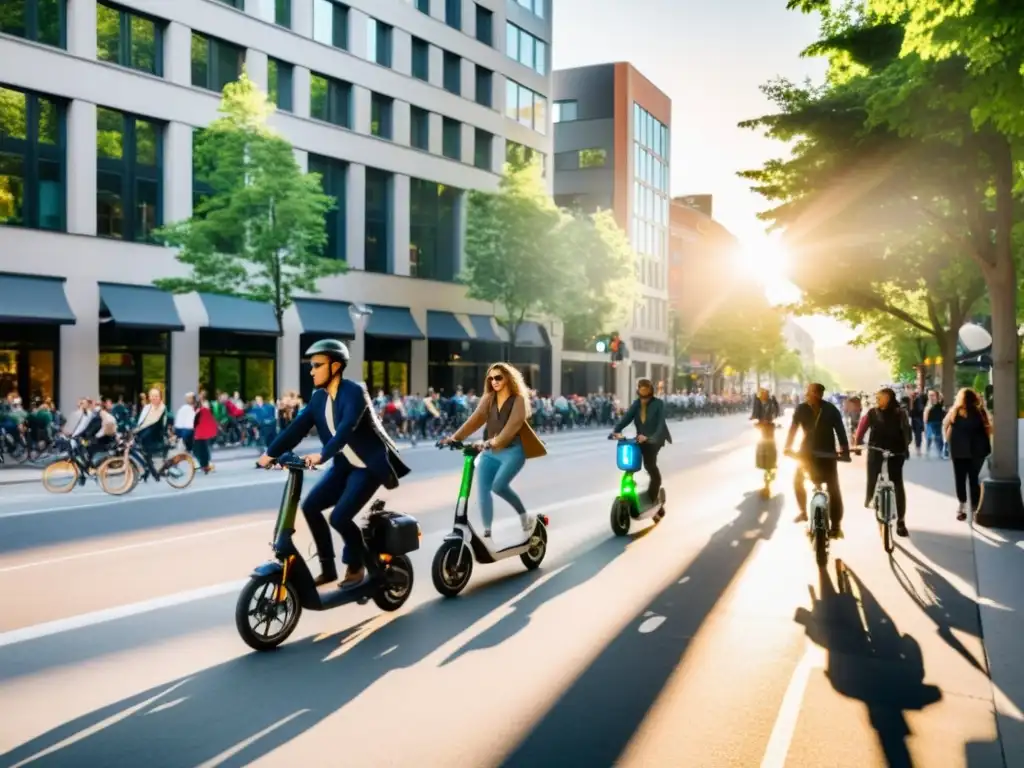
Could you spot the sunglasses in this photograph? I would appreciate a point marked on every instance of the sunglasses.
(317, 366)
(497, 377)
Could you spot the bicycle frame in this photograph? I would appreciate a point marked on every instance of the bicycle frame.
(885, 490)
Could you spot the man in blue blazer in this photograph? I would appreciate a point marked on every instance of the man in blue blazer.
(647, 413)
(364, 459)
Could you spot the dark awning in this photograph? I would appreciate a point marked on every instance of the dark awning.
(483, 327)
(530, 334)
(140, 306)
(393, 323)
(444, 326)
(34, 299)
(230, 313)
(327, 318)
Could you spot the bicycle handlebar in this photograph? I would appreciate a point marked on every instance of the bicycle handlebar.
(885, 454)
(844, 457)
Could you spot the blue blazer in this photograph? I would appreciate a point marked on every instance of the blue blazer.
(655, 428)
(355, 425)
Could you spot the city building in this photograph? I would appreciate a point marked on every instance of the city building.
(612, 151)
(401, 105)
(701, 273)
(800, 341)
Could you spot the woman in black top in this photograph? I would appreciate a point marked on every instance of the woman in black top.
(889, 426)
(967, 428)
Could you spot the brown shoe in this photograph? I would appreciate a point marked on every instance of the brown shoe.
(328, 574)
(353, 578)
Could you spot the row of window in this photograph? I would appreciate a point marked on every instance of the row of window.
(650, 169)
(536, 7)
(649, 239)
(565, 111)
(651, 314)
(649, 132)
(650, 205)
(528, 50)
(525, 106)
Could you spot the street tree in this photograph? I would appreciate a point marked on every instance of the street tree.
(260, 233)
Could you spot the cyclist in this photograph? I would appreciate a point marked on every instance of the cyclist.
(647, 413)
(890, 430)
(822, 424)
(364, 457)
(766, 411)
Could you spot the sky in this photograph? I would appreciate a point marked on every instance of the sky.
(710, 57)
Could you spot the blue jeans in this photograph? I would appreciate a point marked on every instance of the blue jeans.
(494, 473)
(933, 432)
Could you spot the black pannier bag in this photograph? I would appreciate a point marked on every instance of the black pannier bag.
(394, 534)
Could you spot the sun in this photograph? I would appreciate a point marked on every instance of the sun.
(766, 260)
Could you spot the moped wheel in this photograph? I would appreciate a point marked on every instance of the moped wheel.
(534, 556)
(452, 567)
(398, 581)
(620, 517)
(61, 476)
(263, 621)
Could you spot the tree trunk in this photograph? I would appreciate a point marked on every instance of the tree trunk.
(947, 349)
(1003, 299)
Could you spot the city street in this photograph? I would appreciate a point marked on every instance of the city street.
(709, 640)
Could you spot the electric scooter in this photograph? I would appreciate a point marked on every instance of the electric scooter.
(279, 589)
(453, 563)
(631, 504)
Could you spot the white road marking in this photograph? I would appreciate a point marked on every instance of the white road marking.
(651, 624)
(232, 751)
(683, 580)
(789, 712)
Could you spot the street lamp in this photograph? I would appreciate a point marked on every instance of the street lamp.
(360, 314)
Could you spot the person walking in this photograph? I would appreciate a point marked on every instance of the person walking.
(968, 431)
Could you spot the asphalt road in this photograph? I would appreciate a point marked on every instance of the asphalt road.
(709, 640)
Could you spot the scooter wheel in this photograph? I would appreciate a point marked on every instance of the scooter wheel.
(398, 581)
(534, 556)
(257, 608)
(620, 517)
(452, 567)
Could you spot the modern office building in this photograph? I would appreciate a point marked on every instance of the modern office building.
(612, 151)
(402, 106)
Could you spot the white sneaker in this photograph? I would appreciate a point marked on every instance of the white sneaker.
(529, 523)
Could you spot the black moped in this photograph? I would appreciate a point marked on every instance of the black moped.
(269, 606)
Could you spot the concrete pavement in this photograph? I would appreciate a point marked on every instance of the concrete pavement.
(710, 640)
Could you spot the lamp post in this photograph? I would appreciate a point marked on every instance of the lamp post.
(360, 314)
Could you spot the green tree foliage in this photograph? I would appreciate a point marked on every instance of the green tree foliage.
(260, 234)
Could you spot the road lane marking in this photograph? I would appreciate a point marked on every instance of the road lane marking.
(227, 754)
(789, 711)
(83, 620)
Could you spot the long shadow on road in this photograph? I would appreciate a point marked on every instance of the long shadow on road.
(869, 660)
(593, 721)
(243, 709)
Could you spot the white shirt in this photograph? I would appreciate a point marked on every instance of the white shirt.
(347, 451)
(185, 418)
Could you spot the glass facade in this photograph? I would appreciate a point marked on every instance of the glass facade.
(565, 111)
(483, 144)
(650, 224)
(33, 161)
(334, 180)
(378, 42)
(280, 79)
(215, 62)
(528, 50)
(378, 221)
(42, 21)
(129, 39)
(484, 25)
(484, 87)
(452, 74)
(420, 59)
(129, 176)
(330, 23)
(453, 13)
(536, 7)
(330, 100)
(525, 107)
(433, 245)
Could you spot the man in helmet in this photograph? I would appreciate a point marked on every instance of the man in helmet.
(364, 459)
(647, 414)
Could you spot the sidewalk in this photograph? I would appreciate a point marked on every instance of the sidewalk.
(991, 561)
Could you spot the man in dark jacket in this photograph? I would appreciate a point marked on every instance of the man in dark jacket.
(364, 459)
(821, 423)
(647, 414)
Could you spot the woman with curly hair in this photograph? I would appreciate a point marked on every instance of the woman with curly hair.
(968, 431)
(508, 441)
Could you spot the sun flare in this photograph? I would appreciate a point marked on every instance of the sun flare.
(766, 260)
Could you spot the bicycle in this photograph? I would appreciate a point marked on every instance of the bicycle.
(76, 462)
(819, 524)
(767, 455)
(132, 465)
(885, 499)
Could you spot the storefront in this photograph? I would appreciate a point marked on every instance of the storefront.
(387, 354)
(320, 319)
(587, 377)
(532, 355)
(136, 322)
(456, 358)
(32, 309)
(238, 348)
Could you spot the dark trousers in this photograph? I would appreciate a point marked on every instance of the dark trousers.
(895, 474)
(965, 472)
(825, 471)
(650, 453)
(348, 490)
(201, 450)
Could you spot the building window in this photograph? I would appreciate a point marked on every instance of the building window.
(540, 57)
(451, 138)
(128, 39)
(275, 11)
(453, 13)
(525, 106)
(239, 4)
(512, 41)
(420, 59)
(432, 228)
(484, 86)
(32, 160)
(330, 100)
(419, 128)
(482, 147)
(333, 179)
(484, 25)
(330, 23)
(129, 176)
(540, 113)
(378, 42)
(423, 6)
(565, 111)
(453, 73)
(215, 62)
(380, 115)
(518, 155)
(201, 187)
(42, 21)
(594, 157)
(523, 47)
(378, 220)
(525, 110)
(279, 83)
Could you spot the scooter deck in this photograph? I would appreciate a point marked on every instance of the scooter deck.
(332, 597)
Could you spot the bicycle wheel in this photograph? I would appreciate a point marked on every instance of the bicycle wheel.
(117, 475)
(179, 471)
(61, 476)
(888, 542)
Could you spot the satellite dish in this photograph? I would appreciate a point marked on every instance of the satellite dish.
(974, 338)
